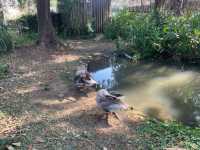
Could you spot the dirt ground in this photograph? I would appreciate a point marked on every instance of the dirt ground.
(40, 109)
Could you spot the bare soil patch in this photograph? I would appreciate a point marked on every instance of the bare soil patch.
(40, 109)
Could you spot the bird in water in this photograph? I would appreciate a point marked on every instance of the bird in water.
(83, 79)
(110, 102)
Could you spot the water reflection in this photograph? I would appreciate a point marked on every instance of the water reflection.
(160, 90)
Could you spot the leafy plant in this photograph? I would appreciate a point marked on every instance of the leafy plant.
(4, 69)
(22, 3)
(5, 40)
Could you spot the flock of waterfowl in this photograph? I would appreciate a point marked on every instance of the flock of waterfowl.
(108, 101)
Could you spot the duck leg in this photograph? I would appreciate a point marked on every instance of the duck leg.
(116, 115)
(102, 117)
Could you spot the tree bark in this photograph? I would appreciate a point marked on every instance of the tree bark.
(47, 36)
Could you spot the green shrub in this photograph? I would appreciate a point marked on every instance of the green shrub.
(4, 69)
(5, 40)
(28, 23)
(155, 35)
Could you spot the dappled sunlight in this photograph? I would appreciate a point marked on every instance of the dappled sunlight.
(84, 48)
(71, 128)
(27, 90)
(91, 46)
(65, 58)
(67, 106)
(55, 101)
(148, 68)
(9, 124)
(30, 74)
(39, 103)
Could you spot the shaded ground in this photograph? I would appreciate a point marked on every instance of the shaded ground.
(40, 109)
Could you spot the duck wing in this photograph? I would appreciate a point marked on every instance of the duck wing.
(113, 105)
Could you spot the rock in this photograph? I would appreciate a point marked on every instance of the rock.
(61, 95)
(105, 148)
(197, 118)
(18, 144)
(71, 99)
(97, 54)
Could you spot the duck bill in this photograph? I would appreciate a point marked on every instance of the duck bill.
(91, 82)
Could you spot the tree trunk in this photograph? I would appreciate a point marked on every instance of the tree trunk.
(159, 4)
(1, 13)
(177, 6)
(47, 36)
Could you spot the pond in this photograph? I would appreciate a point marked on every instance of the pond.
(164, 91)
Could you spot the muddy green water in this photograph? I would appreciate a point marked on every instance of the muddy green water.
(164, 91)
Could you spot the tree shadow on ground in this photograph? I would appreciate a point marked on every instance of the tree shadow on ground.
(81, 128)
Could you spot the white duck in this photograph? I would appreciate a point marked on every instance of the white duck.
(110, 102)
(83, 78)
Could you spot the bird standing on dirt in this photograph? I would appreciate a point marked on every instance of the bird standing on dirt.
(83, 79)
(110, 102)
